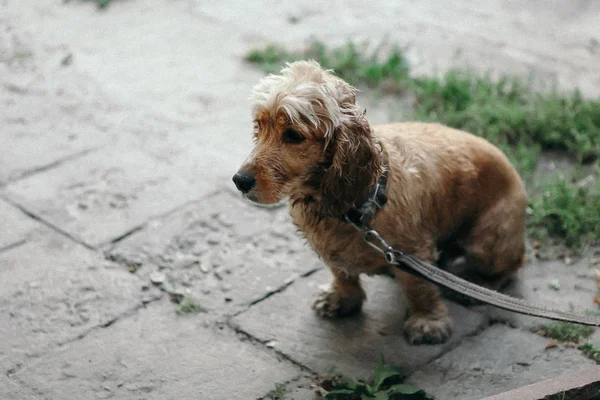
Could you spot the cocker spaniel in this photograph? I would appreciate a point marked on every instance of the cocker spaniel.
(447, 190)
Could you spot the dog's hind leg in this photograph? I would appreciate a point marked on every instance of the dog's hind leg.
(344, 297)
(495, 246)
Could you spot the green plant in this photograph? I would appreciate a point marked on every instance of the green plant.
(386, 384)
(189, 306)
(566, 332)
(349, 61)
(591, 351)
(567, 210)
(101, 3)
(507, 111)
(277, 393)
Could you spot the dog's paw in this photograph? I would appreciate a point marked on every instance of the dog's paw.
(329, 304)
(428, 329)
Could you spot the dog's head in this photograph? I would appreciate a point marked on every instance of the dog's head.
(311, 141)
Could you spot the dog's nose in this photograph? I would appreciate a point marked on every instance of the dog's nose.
(244, 182)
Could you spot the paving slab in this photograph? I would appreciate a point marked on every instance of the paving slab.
(302, 387)
(576, 292)
(16, 226)
(53, 291)
(351, 345)
(10, 390)
(105, 194)
(156, 354)
(500, 359)
(50, 113)
(220, 251)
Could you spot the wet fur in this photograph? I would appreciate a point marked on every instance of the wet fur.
(446, 188)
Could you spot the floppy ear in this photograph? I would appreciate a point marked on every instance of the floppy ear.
(355, 167)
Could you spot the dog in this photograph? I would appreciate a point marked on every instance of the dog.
(446, 190)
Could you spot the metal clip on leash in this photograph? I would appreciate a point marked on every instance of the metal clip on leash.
(371, 236)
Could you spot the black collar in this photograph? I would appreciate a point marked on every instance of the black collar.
(362, 214)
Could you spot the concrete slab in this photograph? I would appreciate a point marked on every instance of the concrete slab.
(53, 291)
(16, 226)
(11, 390)
(499, 359)
(158, 355)
(105, 194)
(221, 251)
(352, 345)
(578, 288)
(50, 113)
(303, 387)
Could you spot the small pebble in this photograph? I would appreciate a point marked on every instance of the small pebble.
(568, 260)
(157, 277)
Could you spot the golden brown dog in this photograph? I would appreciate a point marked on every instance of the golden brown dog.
(446, 189)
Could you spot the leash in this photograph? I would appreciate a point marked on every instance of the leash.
(413, 265)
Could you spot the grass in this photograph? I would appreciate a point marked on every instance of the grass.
(277, 393)
(101, 3)
(189, 306)
(566, 209)
(506, 111)
(591, 351)
(566, 332)
(573, 333)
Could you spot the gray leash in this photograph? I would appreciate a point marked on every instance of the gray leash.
(446, 279)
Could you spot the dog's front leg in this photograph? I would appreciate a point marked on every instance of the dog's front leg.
(344, 297)
(428, 318)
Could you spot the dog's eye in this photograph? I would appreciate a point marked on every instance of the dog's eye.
(291, 136)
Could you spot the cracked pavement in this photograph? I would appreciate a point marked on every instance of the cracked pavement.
(120, 130)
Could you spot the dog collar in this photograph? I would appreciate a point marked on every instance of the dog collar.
(363, 213)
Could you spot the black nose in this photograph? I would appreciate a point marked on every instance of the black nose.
(244, 182)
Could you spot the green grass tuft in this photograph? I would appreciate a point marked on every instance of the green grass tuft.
(568, 210)
(100, 3)
(566, 332)
(277, 393)
(348, 61)
(509, 112)
(189, 306)
(591, 351)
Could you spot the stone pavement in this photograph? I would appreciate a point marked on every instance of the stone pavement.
(119, 131)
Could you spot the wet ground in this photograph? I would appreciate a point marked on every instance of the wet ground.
(119, 133)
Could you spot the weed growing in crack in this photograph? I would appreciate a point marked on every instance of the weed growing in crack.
(100, 3)
(277, 393)
(591, 351)
(189, 306)
(573, 333)
(567, 209)
(566, 332)
(387, 384)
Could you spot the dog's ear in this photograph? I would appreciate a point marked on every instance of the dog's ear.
(354, 169)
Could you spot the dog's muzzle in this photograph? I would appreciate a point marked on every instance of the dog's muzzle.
(244, 181)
